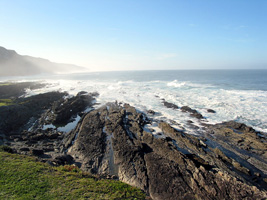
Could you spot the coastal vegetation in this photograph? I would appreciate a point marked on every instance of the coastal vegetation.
(22, 177)
(5, 102)
(9, 102)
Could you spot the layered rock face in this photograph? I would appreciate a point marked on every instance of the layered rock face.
(116, 140)
(22, 125)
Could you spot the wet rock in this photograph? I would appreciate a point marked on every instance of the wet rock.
(193, 113)
(151, 112)
(172, 122)
(211, 111)
(239, 126)
(169, 105)
(64, 109)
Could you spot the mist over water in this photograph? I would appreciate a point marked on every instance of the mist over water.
(233, 94)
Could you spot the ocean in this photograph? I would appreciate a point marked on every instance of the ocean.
(239, 95)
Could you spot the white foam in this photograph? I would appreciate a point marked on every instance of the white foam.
(248, 107)
(175, 83)
(156, 131)
(187, 84)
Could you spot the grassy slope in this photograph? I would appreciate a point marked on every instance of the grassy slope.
(21, 177)
(4, 83)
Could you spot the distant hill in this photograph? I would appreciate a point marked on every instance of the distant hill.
(13, 64)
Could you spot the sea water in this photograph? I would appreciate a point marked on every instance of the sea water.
(239, 95)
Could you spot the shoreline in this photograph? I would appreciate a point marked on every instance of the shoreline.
(229, 148)
(218, 114)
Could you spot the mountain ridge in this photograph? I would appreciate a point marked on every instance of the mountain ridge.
(14, 64)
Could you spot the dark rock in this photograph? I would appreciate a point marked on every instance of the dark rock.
(82, 93)
(24, 149)
(7, 149)
(211, 111)
(169, 105)
(64, 109)
(193, 113)
(37, 137)
(112, 141)
(257, 174)
(49, 149)
(17, 116)
(151, 112)
(63, 160)
(15, 90)
(14, 117)
(172, 122)
(239, 126)
(37, 152)
(52, 136)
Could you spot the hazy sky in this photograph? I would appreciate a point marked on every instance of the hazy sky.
(138, 34)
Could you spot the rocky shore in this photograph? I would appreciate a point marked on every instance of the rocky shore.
(227, 161)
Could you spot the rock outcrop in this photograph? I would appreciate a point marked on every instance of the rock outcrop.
(21, 124)
(63, 110)
(15, 118)
(228, 161)
(169, 104)
(193, 113)
(113, 140)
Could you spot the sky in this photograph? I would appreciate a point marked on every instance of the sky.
(139, 34)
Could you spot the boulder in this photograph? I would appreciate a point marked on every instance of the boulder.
(169, 105)
(211, 111)
(193, 113)
(151, 112)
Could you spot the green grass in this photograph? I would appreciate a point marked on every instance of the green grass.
(22, 177)
(5, 102)
(4, 84)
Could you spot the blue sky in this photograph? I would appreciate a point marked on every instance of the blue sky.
(139, 34)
